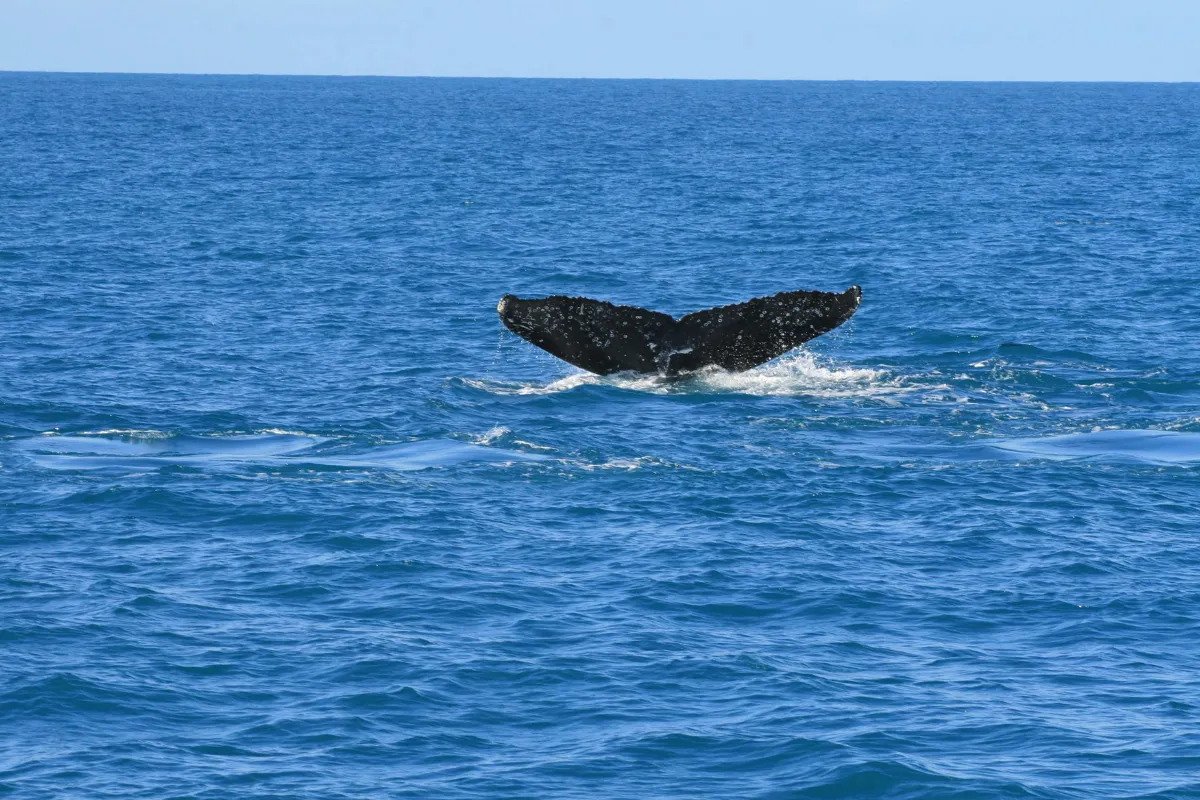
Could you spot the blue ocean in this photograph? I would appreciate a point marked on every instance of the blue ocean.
(285, 512)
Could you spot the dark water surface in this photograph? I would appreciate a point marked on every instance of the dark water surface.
(284, 512)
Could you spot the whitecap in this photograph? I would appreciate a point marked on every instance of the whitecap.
(497, 432)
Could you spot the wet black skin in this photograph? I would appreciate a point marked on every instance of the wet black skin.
(603, 338)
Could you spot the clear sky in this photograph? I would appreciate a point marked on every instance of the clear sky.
(1129, 40)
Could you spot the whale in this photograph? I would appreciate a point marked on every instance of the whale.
(604, 338)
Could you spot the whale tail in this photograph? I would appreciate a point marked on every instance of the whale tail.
(604, 338)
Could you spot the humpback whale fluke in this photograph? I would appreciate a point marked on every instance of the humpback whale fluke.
(604, 338)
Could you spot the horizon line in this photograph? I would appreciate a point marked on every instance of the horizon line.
(581, 78)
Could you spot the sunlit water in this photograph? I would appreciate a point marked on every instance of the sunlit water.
(286, 513)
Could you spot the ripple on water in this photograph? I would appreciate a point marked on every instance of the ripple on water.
(1146, 446)
(270, 549)
(151, 451)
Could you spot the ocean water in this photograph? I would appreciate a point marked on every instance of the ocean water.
(285, 512)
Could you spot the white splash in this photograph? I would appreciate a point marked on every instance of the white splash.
(129, 433)
(640, 462)
(285, 432)
(800, 374)
(496, 433)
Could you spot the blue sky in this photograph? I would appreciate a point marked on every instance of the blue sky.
(1132, 40)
